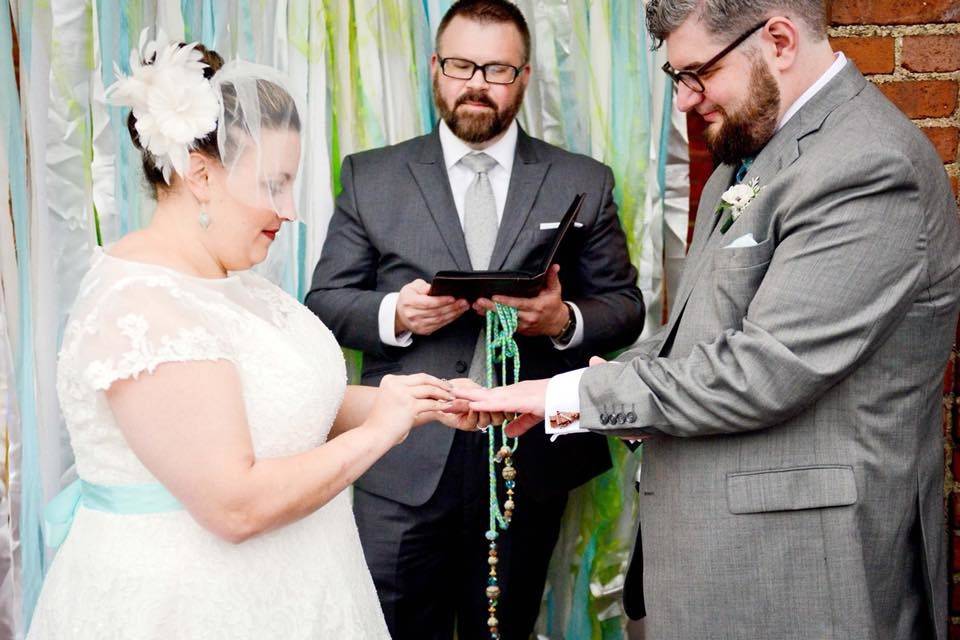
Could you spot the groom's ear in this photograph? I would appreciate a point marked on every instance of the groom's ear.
(781, 39)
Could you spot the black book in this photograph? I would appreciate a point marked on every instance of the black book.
(471, 285)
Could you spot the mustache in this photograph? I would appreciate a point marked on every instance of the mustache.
(475, 96)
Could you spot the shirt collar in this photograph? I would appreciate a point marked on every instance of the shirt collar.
(839, 62)
(502, 150)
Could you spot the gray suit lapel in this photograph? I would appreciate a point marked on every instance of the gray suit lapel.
(525, 180)
(705, 229)
(430, 173)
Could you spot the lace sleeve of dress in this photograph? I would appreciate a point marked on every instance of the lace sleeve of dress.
(140, 323)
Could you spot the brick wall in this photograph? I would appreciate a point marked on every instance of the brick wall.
(911, 49)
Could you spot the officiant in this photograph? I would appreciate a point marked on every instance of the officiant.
(477, 193)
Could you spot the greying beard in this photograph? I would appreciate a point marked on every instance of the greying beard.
(477, 128)
(745, 132)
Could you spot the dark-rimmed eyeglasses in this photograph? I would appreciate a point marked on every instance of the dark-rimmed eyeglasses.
(691, 78)
(493, 73)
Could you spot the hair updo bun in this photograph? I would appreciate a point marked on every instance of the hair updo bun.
(207, 144)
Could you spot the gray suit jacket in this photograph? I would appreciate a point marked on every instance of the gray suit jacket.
(795, 487)
(396, 221)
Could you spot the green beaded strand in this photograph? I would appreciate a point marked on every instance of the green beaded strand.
(501, 347)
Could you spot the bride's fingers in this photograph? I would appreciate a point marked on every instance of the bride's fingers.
(431, 391)
(457, 407)
(417, 379)
(471, 393)
(426, 405)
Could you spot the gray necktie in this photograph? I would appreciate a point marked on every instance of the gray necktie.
(480, 231)
(479, 211)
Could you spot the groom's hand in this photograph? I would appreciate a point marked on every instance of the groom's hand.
(422, 314)
(526, 398)
(543, 315)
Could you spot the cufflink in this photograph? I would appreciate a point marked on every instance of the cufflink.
(562, 419)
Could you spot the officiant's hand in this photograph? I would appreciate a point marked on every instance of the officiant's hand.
(543, 315)
(423, 314)
(528, 398)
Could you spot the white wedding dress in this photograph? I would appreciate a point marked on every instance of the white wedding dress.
(161, 575)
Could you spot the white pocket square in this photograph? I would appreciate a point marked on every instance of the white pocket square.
(743, 241)
(556, 225)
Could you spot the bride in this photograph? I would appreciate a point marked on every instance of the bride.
(213, 428)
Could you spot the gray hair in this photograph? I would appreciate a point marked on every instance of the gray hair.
(732, 17)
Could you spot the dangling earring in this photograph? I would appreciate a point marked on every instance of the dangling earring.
(204, 219)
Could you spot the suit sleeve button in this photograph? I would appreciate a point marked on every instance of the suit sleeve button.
(631, 417)
(604, 418)
(621, 418)
(461, 366)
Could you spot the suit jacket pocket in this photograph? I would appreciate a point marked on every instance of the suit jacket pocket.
(737, 274)
(791, 489)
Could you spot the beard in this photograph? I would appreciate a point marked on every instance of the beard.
(744, 132)
(477, 127)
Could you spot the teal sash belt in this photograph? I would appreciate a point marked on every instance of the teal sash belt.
(122, 499)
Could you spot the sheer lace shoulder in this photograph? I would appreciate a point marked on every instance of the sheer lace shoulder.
(127, 321)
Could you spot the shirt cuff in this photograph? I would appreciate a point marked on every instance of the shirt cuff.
(577, 339)
(563, 394)
(386, 322)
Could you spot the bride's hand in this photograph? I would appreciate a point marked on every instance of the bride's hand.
(403, 400)
(459, 416)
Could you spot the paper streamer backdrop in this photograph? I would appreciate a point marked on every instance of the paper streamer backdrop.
(70, 180)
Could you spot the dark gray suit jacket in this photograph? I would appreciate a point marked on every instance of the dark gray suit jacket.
(396, 221)
(797, 489)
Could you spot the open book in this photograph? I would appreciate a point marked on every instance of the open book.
(471, 285)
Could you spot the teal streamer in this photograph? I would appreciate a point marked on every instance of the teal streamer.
(665, 125)
(208, 32)
(31, 498)
(580, 624)
(246, 49)
(114, 25)
(422, 50)
(187, 11)
(301, 230)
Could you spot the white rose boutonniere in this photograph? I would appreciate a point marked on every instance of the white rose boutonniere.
(735, 200)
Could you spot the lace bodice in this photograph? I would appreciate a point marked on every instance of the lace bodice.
(156, 576)
(130, 318)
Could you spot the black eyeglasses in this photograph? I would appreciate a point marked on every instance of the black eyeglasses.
(493, 73)
(691, 79)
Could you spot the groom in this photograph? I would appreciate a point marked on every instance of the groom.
(477, 193)
(792, 483)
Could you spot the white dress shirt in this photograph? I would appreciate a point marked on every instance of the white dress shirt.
(454, 149)
(563, 391)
